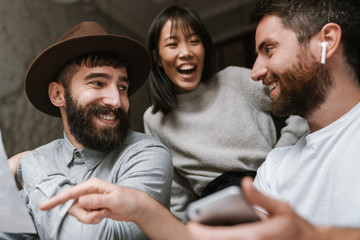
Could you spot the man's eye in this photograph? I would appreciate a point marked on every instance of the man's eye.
(98, 84)
(123, 88)
(268, 49)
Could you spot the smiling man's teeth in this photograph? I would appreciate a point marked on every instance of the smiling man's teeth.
(105, 117)
(273, 86)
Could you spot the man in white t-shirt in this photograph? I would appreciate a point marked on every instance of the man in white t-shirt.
(308, 56)
(313, 72)
(2, 149)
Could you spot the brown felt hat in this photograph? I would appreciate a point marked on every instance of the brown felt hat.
(87, 37)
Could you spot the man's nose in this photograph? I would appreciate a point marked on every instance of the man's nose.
(259, 70)
(112, 97)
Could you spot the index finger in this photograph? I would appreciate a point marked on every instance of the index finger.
(84, 188)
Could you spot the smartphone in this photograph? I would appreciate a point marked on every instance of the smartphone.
(225, 207)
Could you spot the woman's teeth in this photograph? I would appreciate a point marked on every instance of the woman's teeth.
(187, 68)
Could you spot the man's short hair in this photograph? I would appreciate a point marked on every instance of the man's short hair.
(90, 60)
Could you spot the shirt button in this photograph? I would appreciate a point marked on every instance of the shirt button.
(78, 154)
(73, 183)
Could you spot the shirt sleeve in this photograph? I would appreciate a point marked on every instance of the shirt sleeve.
(260, 184)
(182, 195)
(40, 181)
(268, 174)
(145, 167)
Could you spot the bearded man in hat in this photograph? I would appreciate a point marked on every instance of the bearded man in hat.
(86, 79)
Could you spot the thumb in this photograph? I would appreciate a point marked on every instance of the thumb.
(255, 197)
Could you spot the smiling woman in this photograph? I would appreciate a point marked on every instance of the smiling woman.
(181, 55)
(213, 123)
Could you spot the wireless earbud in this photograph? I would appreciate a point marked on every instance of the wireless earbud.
(324, 46)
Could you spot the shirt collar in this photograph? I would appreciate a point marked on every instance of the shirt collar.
(91, 157)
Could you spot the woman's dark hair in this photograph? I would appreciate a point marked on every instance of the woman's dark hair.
(162, 89)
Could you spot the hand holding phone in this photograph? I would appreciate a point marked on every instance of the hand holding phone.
(225, 207)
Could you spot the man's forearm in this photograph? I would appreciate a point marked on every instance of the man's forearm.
(336, 233)
(157, 222)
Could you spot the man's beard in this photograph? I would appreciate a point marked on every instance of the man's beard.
(86, 133)
(303, 88)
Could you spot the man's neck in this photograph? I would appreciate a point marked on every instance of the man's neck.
(72, 139)
(68, 134)
(342, 98)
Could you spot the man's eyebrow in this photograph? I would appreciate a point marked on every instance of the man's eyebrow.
(97, 75)
(124, 79)
(261, 46)
(106, 76)
(264, 44)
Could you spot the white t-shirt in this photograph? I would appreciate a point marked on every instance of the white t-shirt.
(2, 149)
(319, 176)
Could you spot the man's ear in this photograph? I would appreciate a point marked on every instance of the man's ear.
(330, 33)
(56, 94)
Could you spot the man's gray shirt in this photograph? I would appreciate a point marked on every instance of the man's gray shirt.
(141, 162)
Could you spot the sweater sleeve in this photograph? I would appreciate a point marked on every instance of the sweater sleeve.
(295, 127)
(254, 91)
(146, 120)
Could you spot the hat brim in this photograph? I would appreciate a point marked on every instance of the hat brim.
(47, 65)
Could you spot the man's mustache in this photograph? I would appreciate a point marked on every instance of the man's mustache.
(95, 109)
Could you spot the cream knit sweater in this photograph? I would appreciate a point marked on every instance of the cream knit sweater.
(220, 126)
